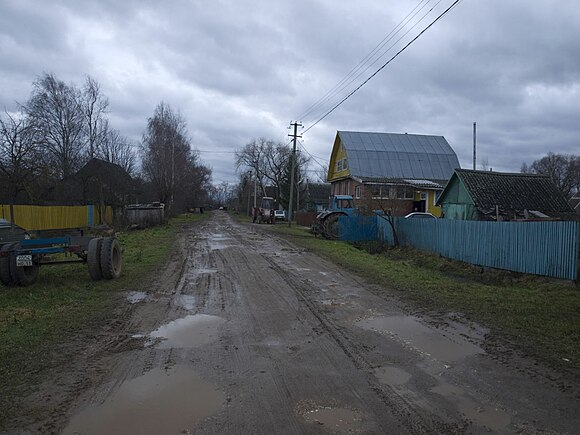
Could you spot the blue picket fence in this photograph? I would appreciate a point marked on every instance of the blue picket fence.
(540, 248)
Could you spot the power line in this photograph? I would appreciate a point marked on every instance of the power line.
(346, 80)
(385, 64)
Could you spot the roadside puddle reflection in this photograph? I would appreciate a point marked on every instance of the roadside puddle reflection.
(190, 331)
(159, 402)
(440, 344)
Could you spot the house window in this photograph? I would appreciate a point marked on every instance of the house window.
(357, 192)
(339, 166)
(344, 164)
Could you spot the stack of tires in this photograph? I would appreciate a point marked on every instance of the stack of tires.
(104, 258)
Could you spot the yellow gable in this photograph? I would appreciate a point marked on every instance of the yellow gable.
(338, 162)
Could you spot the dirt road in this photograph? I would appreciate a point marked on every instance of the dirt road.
(246, 333)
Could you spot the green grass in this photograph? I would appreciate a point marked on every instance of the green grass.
(64, 301)
(540, 316)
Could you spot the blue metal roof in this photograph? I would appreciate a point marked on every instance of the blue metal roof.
(391, 155)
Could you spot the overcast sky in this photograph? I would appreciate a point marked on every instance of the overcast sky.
(244, 69)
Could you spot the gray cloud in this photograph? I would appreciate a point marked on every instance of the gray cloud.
(238, 70)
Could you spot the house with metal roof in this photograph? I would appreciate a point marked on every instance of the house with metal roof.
(500, 196)
(408, 170)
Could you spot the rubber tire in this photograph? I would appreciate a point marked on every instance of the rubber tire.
(25, 275)
(331, 227)
(6, 276)
(94, 258)
(111, 263)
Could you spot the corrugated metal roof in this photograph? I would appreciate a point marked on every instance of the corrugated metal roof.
(391, 155)
(515, 192)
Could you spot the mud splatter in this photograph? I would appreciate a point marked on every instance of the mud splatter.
(158, 402)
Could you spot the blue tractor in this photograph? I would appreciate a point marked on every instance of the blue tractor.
(326, 222)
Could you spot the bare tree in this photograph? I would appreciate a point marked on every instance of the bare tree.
(94, 105)
(169, 163)
(564, 169)
(55, 113)
(17, 155)
(117, 149)
(269, 161)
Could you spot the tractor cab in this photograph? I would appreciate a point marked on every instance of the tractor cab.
(342, 203)
(265, 213)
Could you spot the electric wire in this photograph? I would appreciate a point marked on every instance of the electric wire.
(347, 78)
(455, 3)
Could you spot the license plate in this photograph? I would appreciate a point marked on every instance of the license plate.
(24, 260)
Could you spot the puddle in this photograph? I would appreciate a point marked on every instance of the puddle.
(134, 297)
(219, 241)
(190, 331)
(340, 420)
(187, 302)
(160, 401)
(408, 329)
(482, 415)
(204, 271)
(331, 302)
(392, 375)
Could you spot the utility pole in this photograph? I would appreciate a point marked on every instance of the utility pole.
(249, 192)
(474, 149)
(293, 169)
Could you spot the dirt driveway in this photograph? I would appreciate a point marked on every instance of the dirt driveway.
(245, 333)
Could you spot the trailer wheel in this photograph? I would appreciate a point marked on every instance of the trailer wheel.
(111, 258)
(26, 275)
(6, 276)
(94, 258)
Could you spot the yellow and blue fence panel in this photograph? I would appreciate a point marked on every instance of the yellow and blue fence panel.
(36, 217)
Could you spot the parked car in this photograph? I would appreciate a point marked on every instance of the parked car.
(280, 215)
(420, 215)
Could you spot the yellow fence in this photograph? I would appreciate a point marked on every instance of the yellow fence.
(34, 217)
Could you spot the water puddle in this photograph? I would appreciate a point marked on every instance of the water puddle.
(219, 241)
(441, 345)
(190, 331)
(160, 401)
(392, 375)
(339, 420)
(187, 302)
(134, 297)
(204, 271)
(493, 419)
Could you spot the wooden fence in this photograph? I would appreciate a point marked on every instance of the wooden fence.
(34, 217)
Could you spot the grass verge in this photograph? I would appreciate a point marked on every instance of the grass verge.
(540, 316)
(64, 301)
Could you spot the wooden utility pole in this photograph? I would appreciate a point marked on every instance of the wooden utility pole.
(474, 148)
(293, 169)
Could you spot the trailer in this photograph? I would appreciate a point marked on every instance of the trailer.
(22, 256)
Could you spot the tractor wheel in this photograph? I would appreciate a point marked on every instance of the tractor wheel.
(6, 276)
(111, 258)
(94, 258)
(331, 227)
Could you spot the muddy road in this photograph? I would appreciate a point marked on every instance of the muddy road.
(245, 333)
